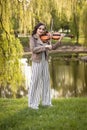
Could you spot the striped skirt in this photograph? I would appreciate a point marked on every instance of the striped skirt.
(39, 88)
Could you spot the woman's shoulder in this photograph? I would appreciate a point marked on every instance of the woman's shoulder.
(34, 36)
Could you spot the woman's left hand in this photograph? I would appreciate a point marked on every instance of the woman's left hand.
(61, 37)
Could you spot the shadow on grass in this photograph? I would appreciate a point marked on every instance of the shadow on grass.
(26, 119)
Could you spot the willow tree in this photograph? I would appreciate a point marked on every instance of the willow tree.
(40, 11)
(84, 22)
(28, 12)
(75, 19)
(10, 53)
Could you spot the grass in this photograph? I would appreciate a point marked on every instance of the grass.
(66, 114)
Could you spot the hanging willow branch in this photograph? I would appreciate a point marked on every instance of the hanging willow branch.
(1, 22)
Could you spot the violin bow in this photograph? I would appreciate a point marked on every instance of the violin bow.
(51, 28)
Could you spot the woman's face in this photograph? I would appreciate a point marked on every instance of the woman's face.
(41, 30)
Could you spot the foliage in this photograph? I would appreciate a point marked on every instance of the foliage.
(84, 21)
(10, 53)
(64, 14)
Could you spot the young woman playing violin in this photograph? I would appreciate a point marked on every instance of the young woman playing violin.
(39, 88)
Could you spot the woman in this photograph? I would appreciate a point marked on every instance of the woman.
(40, 78)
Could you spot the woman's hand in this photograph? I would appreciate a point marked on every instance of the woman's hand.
(49, 47)
(61, 37)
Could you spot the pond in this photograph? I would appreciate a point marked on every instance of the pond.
(68, 76)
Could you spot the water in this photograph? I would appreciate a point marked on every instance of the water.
(68, 76)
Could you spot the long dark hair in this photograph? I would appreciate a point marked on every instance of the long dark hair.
(36, 27)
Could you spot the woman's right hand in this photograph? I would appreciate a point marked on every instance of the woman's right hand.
(49, 47)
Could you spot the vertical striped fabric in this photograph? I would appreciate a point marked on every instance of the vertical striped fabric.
(39, 84)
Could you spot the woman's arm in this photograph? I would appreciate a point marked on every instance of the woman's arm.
(56, 45)
(36, 49)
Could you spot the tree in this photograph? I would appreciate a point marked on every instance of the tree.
(84, 22)
(10, 53)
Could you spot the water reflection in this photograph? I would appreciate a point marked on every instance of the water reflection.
(68, 77)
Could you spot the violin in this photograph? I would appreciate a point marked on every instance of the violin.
(55, 36)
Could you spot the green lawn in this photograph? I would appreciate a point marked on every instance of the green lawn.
(66, 114)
